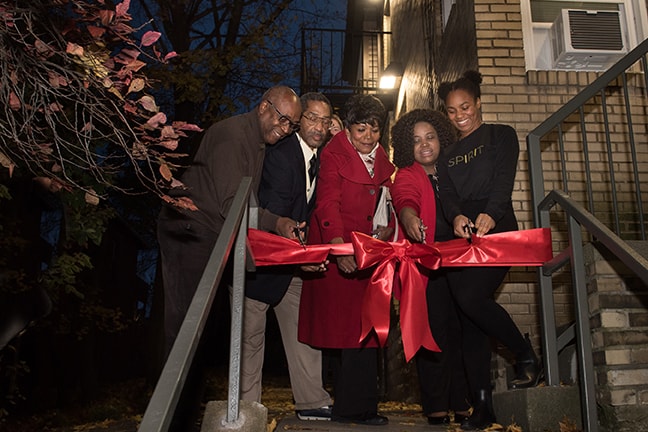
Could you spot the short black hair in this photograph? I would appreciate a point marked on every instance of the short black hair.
(470, 82)
(402, 133)
(314, 96)
(364, 108)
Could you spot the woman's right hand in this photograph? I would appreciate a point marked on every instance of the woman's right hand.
(347, 264)
(412, 224)
(460, 223)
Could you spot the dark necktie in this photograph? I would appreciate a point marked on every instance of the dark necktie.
(312, 169)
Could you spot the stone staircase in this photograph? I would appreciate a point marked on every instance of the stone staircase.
(618, 303)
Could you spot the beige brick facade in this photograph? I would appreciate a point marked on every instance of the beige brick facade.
(524, 99)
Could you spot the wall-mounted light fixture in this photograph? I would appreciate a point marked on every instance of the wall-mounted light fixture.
(391, 77)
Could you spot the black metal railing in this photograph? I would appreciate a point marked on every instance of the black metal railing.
(588, 148)
(584, 158)
(340, 62)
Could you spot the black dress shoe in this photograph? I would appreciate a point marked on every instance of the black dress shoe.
(459, 418)
(438, 420)
(527, 369)
(371, 420)
(483, 415)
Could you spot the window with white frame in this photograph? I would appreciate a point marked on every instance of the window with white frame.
(576, 35)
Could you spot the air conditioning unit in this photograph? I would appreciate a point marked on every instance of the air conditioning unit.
(588, 39)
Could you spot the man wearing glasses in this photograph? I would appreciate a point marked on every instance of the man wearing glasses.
(229, 150)
(288, 189)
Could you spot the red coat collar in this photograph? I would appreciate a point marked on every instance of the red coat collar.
(354, 169)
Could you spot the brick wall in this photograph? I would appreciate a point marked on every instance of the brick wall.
(619, 321)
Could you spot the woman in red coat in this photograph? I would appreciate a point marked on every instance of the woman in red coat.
(418, 138)
(353, 168)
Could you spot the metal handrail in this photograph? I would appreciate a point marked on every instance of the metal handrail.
(579, 218)
(164, 401)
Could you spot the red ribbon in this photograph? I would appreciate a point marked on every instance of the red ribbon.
(513, 248)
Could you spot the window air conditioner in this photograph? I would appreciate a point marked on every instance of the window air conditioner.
(587, 40)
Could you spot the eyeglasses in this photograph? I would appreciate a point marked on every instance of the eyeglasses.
(284, 120)
(313, 119)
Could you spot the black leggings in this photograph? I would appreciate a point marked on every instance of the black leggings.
(481, 317)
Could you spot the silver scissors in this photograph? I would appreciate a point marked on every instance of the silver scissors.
(422, 229)
(470, 230)
(299, 233)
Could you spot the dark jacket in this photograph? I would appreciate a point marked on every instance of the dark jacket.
(282, 192)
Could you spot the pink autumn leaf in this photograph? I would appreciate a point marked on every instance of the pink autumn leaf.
(127, 56)
(168, 132)
(157, 120)
(185, 203)
(130, 107)
(122, 8)
(136, 85)
(136, 65)
(106, 17)
(170, 55)
(56, 80)
(14, 102)
(150, 37)
(148, 103)
(169, 144)
(74, 49)
(175, 183)
(96, 32)
(186, 126)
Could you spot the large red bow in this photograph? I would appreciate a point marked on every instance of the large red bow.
(377, 300)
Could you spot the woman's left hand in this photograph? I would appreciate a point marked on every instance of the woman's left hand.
(484, 223)
(383, 233)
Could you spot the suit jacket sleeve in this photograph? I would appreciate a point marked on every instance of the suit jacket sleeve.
(277, 192)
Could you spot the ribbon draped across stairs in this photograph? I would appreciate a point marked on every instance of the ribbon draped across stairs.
(514, 248)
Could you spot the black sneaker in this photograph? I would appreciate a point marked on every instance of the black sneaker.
(323, 413)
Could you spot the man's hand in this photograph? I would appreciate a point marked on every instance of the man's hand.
(285, 227)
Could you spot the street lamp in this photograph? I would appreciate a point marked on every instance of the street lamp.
(390, 78)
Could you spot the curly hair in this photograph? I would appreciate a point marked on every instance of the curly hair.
(364, 108)
(469, 82)
(402, 133)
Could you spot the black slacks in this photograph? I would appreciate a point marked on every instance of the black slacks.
(356, 386)
(441, 374)
(481, 318)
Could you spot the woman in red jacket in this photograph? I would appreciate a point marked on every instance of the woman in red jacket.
(353, 168)
(418, 138)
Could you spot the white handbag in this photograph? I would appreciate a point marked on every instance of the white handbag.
(385, 211)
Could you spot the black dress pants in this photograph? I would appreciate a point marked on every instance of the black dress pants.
(185, 248)
(356, 387)
(481, 318)
(441, 374)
